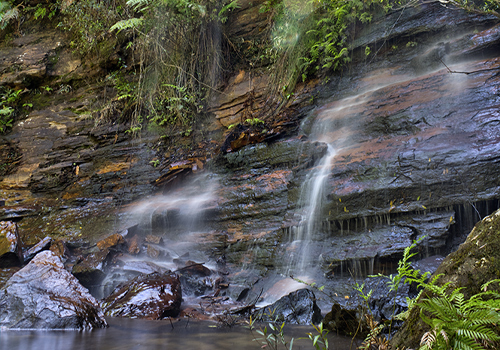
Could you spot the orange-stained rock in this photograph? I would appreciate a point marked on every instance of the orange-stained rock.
(110, 241)
(134, 244)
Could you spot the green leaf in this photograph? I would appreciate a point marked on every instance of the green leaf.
(131, 23)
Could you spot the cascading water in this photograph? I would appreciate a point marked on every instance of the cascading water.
(331, 126)
(169, 227)
(311, 198)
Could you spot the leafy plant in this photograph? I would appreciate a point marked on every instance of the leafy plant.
(491, 7)
(455, 322)
(319, 340)
(8, 103)
(8, 13)
(5, 118)
(180, 56)
(460, 323)
(254, 121)
(88, 22)
(271, 336)
(227, 8)
(375, 339)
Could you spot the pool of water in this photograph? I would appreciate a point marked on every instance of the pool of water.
(127, 334)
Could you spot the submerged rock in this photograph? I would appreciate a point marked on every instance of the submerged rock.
(298, 307)
(154, 296)
(44, 295)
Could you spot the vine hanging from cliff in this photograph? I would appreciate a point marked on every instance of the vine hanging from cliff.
(179, 50)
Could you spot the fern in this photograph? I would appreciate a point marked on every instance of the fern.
(460, 323)
(138, 5)
(7, 14)
(131, 23)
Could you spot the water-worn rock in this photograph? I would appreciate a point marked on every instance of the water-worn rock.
(154, 296)
(476, 262)
(196, 279)
(298, 307)
(44, 295)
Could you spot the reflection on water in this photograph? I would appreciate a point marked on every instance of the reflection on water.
(125, 334)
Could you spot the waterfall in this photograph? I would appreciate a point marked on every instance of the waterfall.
(168, 227)
(311, 200)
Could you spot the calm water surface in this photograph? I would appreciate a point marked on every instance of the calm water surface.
(125, 334)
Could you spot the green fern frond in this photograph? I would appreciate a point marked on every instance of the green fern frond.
(138, 5)
(7, 16)
(131, 23)
(480, 332)
(465, 343)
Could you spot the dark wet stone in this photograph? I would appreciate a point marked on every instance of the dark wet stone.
(90, 271)
(91, 268)
(10, 245)
(383, 305)
(44, 295)
(343, 320)
(195, 269)
(298, 307)
(154, 296)
(44, 244)
(241, 284)
(196, 279)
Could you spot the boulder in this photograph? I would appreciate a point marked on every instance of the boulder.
(349, 318)
(154, 296)
(298, 307)
(44, 295)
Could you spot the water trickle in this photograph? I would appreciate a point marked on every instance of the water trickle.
(169, 226)
(311, 199)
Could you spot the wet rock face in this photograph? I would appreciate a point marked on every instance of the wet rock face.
(154, 296)
(44, 295)
(423, 137)
(411, 141)
(298, 307)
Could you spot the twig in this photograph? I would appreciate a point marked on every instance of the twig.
(467, 73)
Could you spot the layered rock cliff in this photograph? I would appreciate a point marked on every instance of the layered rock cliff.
(414, 127)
